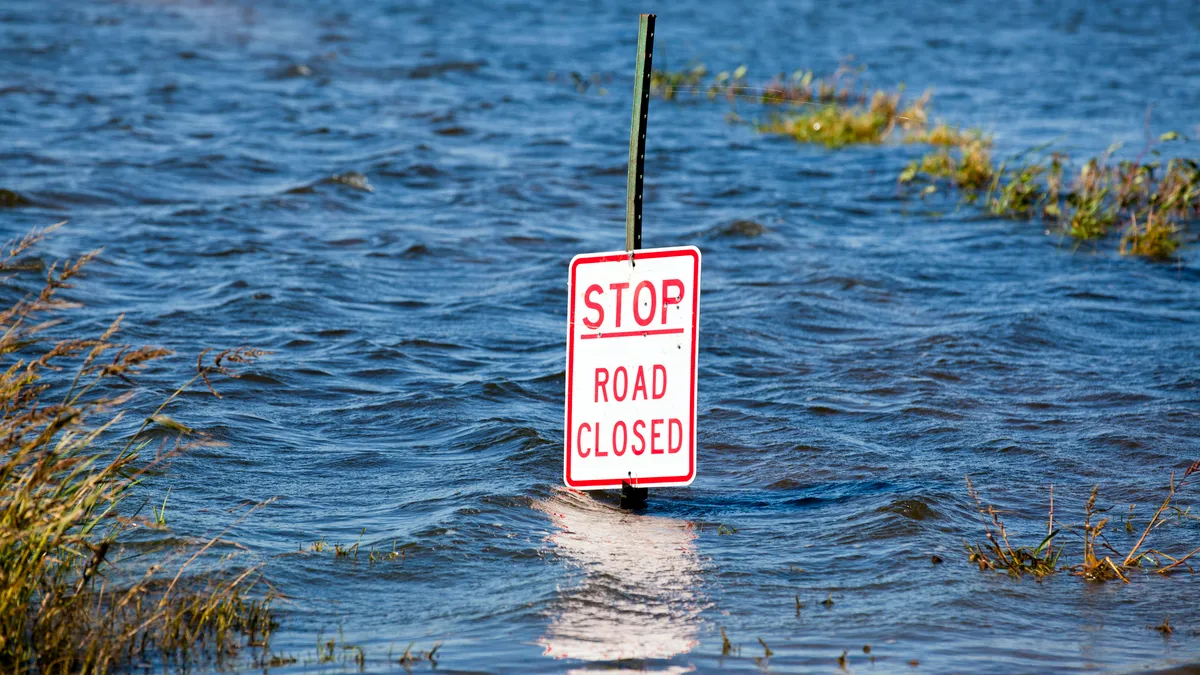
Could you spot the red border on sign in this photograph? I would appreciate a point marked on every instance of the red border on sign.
(692, 252)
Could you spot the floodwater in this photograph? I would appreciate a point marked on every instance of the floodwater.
(386, 195)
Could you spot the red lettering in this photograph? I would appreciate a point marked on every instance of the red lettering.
(672, 425)
(668, 300)
(601, 385)
(618, 288)
(579, 440)
(654, 434)
(641, 448)
(637, 316)
(639, 384)
(623, 374)
(657, 393)
(624, 438)
(587, 300)
(599, 452)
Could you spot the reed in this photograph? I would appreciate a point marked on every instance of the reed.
(70, 600)
(727, 647)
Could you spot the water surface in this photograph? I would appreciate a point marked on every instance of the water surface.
(386, 195)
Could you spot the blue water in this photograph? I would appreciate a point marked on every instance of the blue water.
(857, 358)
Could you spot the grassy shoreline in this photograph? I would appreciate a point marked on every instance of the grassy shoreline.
(72, 598)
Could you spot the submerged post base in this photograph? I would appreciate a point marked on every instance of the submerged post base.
(633, 497)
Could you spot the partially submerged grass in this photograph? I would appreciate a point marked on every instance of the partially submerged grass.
(69, 600)
(1154, 198)
(410, 657)
(837, 126)
(799, 88)
(160, 513)
(727, 647)
(398, 553)
(944, 135)
(1155, 237)
(999, 554)
(339, 651)
(833, 112)
(1086, 201)
(1101, 561)
(968, 167)
(343, 551)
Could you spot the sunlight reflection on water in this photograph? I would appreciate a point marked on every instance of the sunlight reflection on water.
(638, 598)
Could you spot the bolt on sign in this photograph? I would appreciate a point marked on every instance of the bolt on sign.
(632, 335)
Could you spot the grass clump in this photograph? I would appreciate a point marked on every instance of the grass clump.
(837, 126)
(999, 554)
(1155, 238)
(70, 599)
(944, 135)
(1101, 561)
(967, 167)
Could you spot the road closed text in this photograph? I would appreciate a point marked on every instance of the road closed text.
(656, 435)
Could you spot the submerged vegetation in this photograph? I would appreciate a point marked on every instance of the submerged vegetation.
(833, 112)
(1100, 560)
(1146, 203)
(837, 126)
(800, 88)
(72, 598)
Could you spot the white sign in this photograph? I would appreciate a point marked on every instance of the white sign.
(632, 333)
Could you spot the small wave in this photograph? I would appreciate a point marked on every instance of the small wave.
(913, 509)
(422, 343)
(350, 179)
(416, 251)
(434, 69)
(738, 228)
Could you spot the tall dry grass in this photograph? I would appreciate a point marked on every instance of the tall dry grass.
(71, 598)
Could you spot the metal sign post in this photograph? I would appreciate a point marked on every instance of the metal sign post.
(637, 133)
(632, 496)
